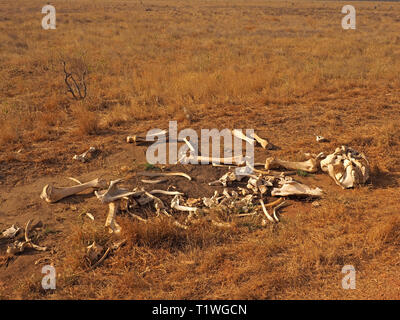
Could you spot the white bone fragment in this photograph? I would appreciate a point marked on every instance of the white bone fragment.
(111, 223)
(168, 193)
(51, 193)
(175, 205)
(114, 193)
(321, 139)
(83, 157)
(93, 252)
(19, 246)
(310, 165)
(10, 232)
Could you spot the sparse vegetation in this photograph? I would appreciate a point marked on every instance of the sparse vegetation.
(286, 69)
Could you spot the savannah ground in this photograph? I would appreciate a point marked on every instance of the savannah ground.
(286, 69)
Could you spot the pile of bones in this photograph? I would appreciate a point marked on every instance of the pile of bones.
(244, 190)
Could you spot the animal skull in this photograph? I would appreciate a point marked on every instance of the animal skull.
(347, 167)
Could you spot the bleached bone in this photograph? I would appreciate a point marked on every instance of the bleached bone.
(293, 188)
(261, 141)
(347, 167)
(226, 179)
(310, 165)
(165, 174)
(239, 134)
(175, 205)
(93, 252)
(153, 181)
(113, 193)
(275, 209)
(83, 157)
(229, 160)
(168, 193)
(212, 201)
(10, 232)
(265, 211)
(54, 194)
(111, 223)
(19, 246)
(321, 139)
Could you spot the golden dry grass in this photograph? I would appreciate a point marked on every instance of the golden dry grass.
(286, 69)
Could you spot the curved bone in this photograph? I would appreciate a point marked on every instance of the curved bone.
(175, 205)
(168, 193)
(153, 181)
(265, 211)
(310, 165)
(165, 174)
(114, 193)
(111, 223)
(54, 194)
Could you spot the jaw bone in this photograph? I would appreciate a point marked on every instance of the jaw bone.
(53, 194)
(311, 165)
(347, 167)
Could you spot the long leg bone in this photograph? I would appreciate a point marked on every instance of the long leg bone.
(54, 194)
(310, 165)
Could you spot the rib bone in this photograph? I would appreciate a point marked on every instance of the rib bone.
(175, 205)
(165, 174)
(54, 194)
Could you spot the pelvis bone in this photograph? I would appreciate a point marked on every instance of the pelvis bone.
(290, 187)
(347, 167)
(53, 194)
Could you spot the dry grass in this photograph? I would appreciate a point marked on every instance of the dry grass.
(286, 69)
